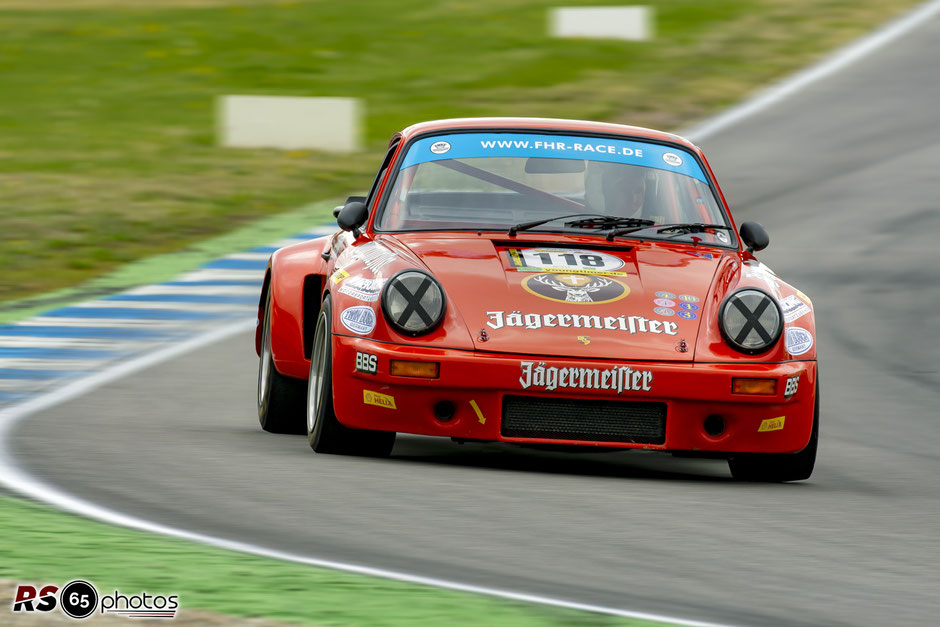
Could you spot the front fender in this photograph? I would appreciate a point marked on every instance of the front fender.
(290, 270)
(735, 274)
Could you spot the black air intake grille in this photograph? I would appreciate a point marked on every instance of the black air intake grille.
(584, 420)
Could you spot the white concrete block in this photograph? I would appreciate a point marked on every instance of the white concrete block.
(292, 123)
(631, 23)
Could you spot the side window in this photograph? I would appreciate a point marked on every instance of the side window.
(378, 178)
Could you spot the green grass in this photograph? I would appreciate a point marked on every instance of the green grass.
(44, 546)
(164, 267)
(107, 152)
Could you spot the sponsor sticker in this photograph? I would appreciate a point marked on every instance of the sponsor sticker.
(672, 159)
(771, 424)
(804, 297)
(575, 288)
(366, 363)
(664, 311)
(374, 255)
(565, 260)
(798, 341)
(687, 315)
(664, 302)
(793, 308)
(584, 339)
(664, 294)
(364, 289)
(380, 400)
(338, 276)
(689, 306)
(618, 379)
(502, 144)
(359, 319)
(688, 298)
(793, 384)
(533, 321)
(440, 148)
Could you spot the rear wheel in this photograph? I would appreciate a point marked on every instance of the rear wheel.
(281, 400)
(324, 432)
(779, 467)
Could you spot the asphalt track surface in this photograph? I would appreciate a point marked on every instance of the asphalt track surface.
(845, 177)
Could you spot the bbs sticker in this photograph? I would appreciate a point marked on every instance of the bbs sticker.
(366, 363)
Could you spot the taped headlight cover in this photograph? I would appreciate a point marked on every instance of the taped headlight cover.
(413, 302)
(751, 320)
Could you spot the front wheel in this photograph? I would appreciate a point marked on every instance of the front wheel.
(324, 432)
(779, 467)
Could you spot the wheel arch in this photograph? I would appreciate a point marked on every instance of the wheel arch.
(294, 280)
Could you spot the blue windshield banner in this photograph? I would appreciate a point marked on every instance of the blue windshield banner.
(478, 145)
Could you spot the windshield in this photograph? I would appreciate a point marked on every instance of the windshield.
(497, 181)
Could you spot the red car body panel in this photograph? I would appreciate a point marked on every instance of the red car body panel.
(484, 354)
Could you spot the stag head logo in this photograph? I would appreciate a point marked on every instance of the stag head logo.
(575, 288)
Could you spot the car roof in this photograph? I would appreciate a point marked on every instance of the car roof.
(544, 124)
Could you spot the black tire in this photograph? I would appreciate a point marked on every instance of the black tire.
(325, 433)
(282, 401)
(779, 467)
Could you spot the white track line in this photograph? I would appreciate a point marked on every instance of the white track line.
(205, 290)
(169, 305)
(134, 324)
(220, 274)
(827, 67)
(15, 478)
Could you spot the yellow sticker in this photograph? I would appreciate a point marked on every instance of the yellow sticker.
(772, 424)
(584, 339)
(804, 297)
(382, 400)
(338, 276)
(476, 409)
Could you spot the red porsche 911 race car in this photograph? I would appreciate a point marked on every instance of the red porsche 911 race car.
(547, 282)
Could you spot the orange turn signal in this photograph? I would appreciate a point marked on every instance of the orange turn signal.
(754, 386)
(423, 369)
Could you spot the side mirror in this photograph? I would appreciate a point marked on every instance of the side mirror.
(352, 215)
(754, 236)
(336, 210)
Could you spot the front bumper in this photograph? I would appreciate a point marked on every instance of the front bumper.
(476, 384)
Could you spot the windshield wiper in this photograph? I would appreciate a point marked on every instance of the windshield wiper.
(609, 222)
(691, 227)
(525, 226)
(630, 225)
(678, 229)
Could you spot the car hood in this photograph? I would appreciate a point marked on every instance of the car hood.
(632, 300)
